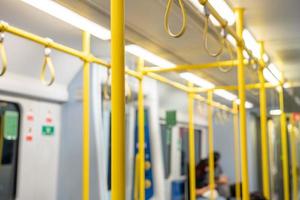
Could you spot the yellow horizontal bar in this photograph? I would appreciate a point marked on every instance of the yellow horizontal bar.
(233, 87)
(225, 63)
(213, 104)
(59, 47)
(167, 81)
(229, 30)
(40, 40)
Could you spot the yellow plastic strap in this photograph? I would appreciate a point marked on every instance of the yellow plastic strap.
(227, 69)
(3, 56)
(205, 38)
(48, 62)
(167, 16)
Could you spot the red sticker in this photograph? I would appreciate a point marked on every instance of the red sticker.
(29, 138)
(49, 120)
(30, 117)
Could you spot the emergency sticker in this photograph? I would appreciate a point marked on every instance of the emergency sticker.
(48, 130)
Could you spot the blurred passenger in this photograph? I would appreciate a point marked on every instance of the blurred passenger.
(221, 190)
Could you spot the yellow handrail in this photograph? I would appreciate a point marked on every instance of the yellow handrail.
(236, 151)
(141, 133)
(211, 162)
(284, 147)
(3, 55)
(293, 141)
(191, 139)
(86, 46)
(47, 62)
(167, 16)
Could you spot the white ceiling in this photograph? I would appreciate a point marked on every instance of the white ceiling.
(274, 21)
(277, 23)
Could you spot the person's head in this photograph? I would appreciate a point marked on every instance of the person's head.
(217, 157)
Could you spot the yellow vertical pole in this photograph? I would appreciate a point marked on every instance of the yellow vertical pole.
(284, 147)
(263, 126)
(86, 120)
(293, 141)
(117, 100)
(141, 133)
(211, 163)
(242, 97)
(192, 165)
(236, 151)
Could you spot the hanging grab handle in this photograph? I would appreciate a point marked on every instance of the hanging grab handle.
(3, 55)
(205, 36)
(230, 50)
(167, 16)
(47, 62)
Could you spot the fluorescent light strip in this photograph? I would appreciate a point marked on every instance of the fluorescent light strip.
(245, 54)
(269, 76)
(221, 7)
(231, 40)
(248, 105)
(58, 11)
(196, 80)
(266, 58)
(275, 71)
(206, 84)
(226, 95)
(224, 10)
(148, 56)
(198, 6)
(275, 112)
(251, 43)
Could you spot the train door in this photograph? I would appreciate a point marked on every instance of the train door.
(274, 158)
(9, 140)
(176, 158)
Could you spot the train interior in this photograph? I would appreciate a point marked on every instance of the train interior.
(41, 129)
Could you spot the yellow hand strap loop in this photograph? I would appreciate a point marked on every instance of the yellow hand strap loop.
(106, 95)
(167, 16)
(3, 55)
(205, 37)
(47, 62)
(231, 54)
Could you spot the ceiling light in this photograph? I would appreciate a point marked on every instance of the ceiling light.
(245, 54)
(148, 56)
(221, 7)
(58, 11)
(196, 80)
(248, 105)
(214, 20)
(198, 5)
(251, 43)
(275, 71)
(266, 58)
(275, 112)
(224, 10)
(226, 95)
(231, 40)
(287, 85)
(269, 76)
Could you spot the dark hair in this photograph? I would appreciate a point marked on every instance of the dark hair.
(200, 168)
(257, 196)
(217, 156)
